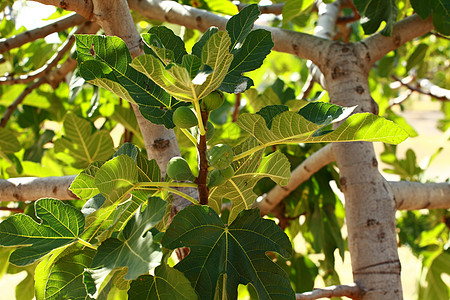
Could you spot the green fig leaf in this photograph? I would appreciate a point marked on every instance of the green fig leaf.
(236, 252)
(136, 249)
(60, 225)
(83, 142)
(167, 284)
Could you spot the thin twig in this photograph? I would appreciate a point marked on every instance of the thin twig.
(352, 291)
(9, 111)
(12, 209)
(307, 87)
(440, 93)
(440, 35)
(31, 35)
(47, 68)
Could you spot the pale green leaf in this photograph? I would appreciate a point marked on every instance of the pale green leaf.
(136, 249)
(8, 141)
(176, 79)
(290, 127)
(65, 277)
(248, 171)
(117, 177)
(84, 184)
(60, 225)
(83, 142)
(295, 8)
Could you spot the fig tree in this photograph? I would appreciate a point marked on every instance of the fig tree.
(178, 169)
(184, 117)
(213, 101)
(220, 156)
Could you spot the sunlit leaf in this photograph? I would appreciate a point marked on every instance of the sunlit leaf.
(248, 171)
(84, 184)
(83, 142)
(8, 141)
(104, 61)
(176, 79)
(290, 127)
(237, 251)
(65, 278)
(60, 225)
(135, 249)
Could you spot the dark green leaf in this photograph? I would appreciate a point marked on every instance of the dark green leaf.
(167, 284)
(374, 12)
(422, 7)
(169, 41)
(237, 251)
(248, 57)
(60, 225)
(441, 16)
(104, 61)
(240, 25)
(417, 56)
(269, 112)
(197, 48)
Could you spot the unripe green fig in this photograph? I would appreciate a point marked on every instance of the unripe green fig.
(209, 130)
(219, 177)
(216, 178)
(213, 101)
(227, 173)
(178, 169)
(184, 117)
(220, 156)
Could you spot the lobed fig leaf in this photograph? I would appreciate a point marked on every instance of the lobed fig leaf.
(178, 169)
(184, 117)
(220, 156)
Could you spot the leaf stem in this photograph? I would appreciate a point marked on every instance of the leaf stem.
(177, 192)
(141, 185)
(201, 126)
(189, 136)
(89, 245)
(248, 152)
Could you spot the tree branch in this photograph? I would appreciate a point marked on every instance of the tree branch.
(352, 291)
(47, 68)
(12, 107)
(405, 30)
(302, 172)
(297, 43)
(82, 7)
(33, 188)
(31, 35)
(416, 195)
(432, 89)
